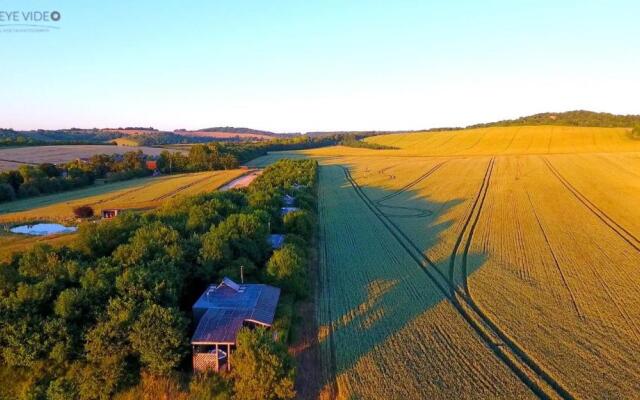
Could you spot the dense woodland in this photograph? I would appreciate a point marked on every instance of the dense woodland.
(32, 180)
(112, 313)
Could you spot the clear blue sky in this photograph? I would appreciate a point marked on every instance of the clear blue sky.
(317, 65)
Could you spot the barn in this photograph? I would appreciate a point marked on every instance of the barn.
(220, 312)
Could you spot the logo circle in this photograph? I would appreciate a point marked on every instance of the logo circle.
(55, 16)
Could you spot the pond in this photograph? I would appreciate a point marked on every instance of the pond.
(43, 229)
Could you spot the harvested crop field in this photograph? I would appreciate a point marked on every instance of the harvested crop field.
(11, 158)
(136, 194)
(510, 273)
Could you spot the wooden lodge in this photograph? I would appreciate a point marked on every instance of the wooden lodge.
(220, 312)
(109, 213)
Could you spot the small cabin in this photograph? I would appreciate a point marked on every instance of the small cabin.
(286, 210)
(110, 213)
(276, 240)
(220, 312)
(288, 200)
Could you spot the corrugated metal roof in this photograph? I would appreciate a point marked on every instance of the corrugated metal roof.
(276, 240)
(222, 310)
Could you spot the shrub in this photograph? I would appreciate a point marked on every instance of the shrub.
(158, 336)
(210, 387)
(83, 212)
(300, 223)
(263, 368)
(6, 192)
(287, 268)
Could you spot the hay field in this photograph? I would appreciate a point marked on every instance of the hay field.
(10, 243)
(139, 194)
(11, 158)
(477, 274)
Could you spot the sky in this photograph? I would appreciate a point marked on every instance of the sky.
(298, 66)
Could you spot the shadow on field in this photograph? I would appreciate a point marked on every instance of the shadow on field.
(371, 283)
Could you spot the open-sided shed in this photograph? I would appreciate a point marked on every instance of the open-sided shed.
(220, 312)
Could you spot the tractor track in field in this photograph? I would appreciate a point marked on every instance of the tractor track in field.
(117, 196)
(555, 261)
(619, 230)
(525, 368)
(412, 211)
(623, 233)
(181, 188)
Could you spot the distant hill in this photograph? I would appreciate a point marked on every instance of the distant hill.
(229, 133)
(570, 118)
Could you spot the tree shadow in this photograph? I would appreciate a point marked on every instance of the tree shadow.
(374, 276)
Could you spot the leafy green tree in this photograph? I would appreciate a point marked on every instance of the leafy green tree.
(299, 222)
(62, 389)
(210, 387)
(240, 235)
(97, 240)
(287, 268)
(158, 336)
(263, 370)
(7, 193)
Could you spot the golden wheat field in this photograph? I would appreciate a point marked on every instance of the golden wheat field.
(139, 194)
(488, 263)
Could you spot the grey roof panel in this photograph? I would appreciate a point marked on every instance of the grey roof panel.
(223, 310)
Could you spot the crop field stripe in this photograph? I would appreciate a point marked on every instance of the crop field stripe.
(410, 184)
(516, 352)
(324, 279)
(488, 340)
(181, 188)
(616, 227)
(555, 260)
(520, 352)
(122, 194)
(454, 252)
(415, 212)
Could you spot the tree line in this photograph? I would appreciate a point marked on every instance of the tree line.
(46, 178)
(111, 313)
(571, 118)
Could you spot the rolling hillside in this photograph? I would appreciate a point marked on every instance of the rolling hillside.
(513, 248)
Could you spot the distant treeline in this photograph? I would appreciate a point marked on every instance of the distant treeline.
(111, 314)
(46, 178)
(353, 141)
(244, 152)
(571, 118)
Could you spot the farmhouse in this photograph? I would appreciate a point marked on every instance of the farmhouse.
(109, 213)
(220, 312)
